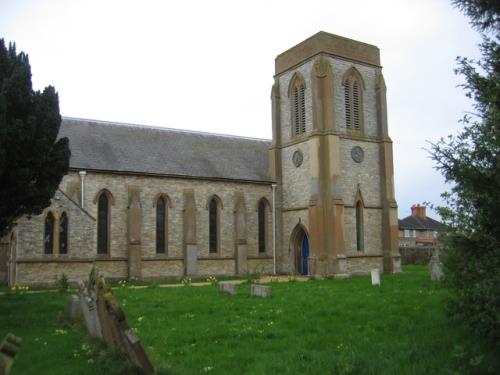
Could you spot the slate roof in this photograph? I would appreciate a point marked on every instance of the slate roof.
(418, 223)
(118, 147)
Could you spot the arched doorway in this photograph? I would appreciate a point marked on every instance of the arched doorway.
(300, 245)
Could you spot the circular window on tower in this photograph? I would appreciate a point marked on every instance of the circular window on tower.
(357, 154)
(297, 158)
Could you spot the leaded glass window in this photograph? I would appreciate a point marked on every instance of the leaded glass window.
(48, 238)
(63, 234)
(213, 226)
(262, 227)
(161, 218)
(103, 224)
(359, 227)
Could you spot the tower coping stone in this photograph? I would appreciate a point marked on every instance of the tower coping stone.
(328, 43)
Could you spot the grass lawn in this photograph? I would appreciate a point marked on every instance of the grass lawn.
(314, 327)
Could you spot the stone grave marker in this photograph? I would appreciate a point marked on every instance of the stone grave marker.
(105, 319)
(73, 308)
(262, 291)
(89, 311)
(230, 288)
(8, 350)
(375, 276)
(436, 268)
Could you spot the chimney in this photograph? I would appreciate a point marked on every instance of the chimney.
(419, 211)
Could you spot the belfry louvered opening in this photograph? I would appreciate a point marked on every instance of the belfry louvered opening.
(298, 103)
(353, 103)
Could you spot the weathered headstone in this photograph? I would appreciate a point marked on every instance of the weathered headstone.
(191, 259)
(8, 350)
(89, 310)
(230, 288)
(73, 308)
(436, 268)
(262, 291)
(115, 329)
(375, 276)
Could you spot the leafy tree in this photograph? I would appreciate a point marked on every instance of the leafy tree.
(32, 159)
(470, 161)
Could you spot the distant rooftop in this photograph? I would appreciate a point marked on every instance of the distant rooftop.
(419, 223)
(118, 147)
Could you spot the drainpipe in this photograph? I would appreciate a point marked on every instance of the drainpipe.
(82, 187)
(274, 227)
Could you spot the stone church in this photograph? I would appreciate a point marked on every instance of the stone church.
(149, 203)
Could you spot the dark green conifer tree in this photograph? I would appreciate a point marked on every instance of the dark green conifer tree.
(32, 159)
(470, 162)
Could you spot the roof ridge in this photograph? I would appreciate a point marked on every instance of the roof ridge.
(164, 128)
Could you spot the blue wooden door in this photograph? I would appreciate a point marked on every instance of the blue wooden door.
(305, 255)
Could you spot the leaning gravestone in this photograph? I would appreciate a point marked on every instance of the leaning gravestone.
(105, 318)
(262, 291)
(436, 268)
(8, 350)
(375, 276)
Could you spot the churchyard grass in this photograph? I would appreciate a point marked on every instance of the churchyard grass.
(313, 327)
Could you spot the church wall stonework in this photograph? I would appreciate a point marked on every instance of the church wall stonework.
(319, 195)
(296, 179)
(81, 231)
(366, 174)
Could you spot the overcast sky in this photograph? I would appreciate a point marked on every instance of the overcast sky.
(209, 65)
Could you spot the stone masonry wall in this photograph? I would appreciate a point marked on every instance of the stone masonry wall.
(81, 231)
(83, 237)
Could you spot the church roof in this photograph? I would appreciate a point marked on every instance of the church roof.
(118, 147)
(419, 223)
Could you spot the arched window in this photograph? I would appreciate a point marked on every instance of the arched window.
(263, 216)
(359, 227)
(296, 93)
(63, 234)
(103, 224)
(48, 239)
(353, 100)
(161, 225)
(213, 225)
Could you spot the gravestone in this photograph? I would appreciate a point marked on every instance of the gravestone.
(191, 259)
(89, 310)
(375, 276)
(262, 291)
(436, 268)
(73, 308)
(8, 351)
(230, 288)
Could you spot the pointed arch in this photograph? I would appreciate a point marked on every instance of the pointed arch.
(299, 244)
(217, 198)
(296, 93)
(108, 195)
(165, 197)
(354, 87)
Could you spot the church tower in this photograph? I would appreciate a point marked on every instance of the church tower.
(331, 157)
